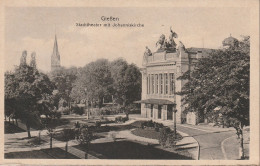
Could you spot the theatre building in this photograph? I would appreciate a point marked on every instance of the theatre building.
(159, 80)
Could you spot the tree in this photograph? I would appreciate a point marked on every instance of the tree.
(85, 137)
(93, 82)
(68, 134)
(126, 82)
(23, 89)
(219, 85)
(63, 79)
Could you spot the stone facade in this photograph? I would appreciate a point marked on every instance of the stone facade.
(159, 81)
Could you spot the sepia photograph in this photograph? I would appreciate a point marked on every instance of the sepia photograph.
(106, 83)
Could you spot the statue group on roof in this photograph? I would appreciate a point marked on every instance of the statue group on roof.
(167, 45)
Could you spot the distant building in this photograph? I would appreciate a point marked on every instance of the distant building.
(55, 57)
(159, 80)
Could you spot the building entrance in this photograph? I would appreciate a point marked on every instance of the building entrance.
(151, 110)
(159, 111)
(169, 112)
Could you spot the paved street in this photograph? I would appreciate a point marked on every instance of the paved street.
(209, 140)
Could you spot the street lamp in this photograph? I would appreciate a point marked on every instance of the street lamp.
(174, 123)
(86, 103)
(174, 110)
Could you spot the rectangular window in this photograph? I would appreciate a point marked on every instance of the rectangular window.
(172, 85)
(152, 84)
(151, 110)
(161, 84)
(147, 84)
(159, 111)
(156, 84)
(166, 83)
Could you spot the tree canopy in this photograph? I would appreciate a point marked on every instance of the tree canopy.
(220, 81)
(103, 78)
(23, 89)
(219, 86)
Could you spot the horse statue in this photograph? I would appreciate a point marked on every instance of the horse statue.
(161, 41)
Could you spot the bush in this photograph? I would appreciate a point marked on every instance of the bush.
(121, 119)
(152, 124)
(164, 135)
(78, 110)
(55, 114)
(171, 139)
(58, 115)
(142, 125)
(125, 119)
(98, 124)
(77, 125)
(133, 108)
(110, 110)
(85, 137)
(118, 119)
(68, 134)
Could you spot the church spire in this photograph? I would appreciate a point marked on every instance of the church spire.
(55, 58)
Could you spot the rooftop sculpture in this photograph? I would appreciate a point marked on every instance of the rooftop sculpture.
(164, 45)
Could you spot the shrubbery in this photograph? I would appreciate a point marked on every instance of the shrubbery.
(64, 110)
(133, 109)
(98, 124)
(78, 110)
(167, 137)
(152, 124)
(164, 132)
(55, 114)
(111, 110)
(119, 119)
(85, 136)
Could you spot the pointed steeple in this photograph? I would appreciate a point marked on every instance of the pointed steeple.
(55, 58)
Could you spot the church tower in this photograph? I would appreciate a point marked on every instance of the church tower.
(55, 57)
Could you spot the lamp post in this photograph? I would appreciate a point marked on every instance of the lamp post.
(174, 123)
(86, 103)
(174, 110)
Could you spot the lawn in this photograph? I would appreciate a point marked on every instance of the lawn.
(55, 153)
(131, 150)
(147, 133)
(150, 133)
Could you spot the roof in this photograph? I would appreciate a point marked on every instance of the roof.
(195, 50)
(230, 41)
(56, 53)
(156, 101)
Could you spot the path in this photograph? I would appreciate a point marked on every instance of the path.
(17, 143)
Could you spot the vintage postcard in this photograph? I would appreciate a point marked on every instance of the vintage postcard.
(129, 82)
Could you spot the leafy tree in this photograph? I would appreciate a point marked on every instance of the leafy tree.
(85, 137)
(23, 89)
(63, 79)
(118, 72)
(126, 82)
(93, 82)
(219, 85)
(100, 79)
(68, 134)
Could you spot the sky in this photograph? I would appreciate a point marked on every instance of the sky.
(34, 29)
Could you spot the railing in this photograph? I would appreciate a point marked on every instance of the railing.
(161, 56)
(160, 96)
